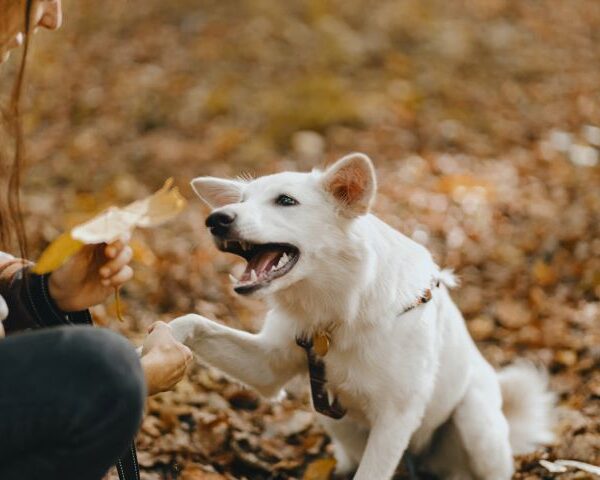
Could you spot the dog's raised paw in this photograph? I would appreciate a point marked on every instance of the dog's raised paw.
(185, 328)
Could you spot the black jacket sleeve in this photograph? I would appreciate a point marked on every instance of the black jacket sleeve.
(29, 303)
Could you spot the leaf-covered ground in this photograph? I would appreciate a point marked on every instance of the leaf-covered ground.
(482, 117)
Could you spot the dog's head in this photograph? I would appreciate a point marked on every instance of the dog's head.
(289, 225)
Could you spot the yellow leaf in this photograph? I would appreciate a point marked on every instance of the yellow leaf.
(57, 253)
(320, 469)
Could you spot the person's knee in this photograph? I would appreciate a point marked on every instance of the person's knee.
(111, 381)
(99, 378)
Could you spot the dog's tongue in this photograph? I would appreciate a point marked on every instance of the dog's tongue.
(262, 262)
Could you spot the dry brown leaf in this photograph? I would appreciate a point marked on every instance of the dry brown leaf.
(151, 426)
(158, 208)
(320, 469)
(566, 357)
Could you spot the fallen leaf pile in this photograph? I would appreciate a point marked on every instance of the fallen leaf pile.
(483, 120)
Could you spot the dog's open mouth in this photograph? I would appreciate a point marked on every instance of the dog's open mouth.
(266, 262)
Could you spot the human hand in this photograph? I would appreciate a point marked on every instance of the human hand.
(164, 359)
(91, 275)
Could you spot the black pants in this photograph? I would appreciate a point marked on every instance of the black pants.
(71, 400)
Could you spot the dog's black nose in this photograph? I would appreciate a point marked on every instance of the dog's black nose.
(219, 223)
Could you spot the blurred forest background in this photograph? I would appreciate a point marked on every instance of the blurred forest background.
(483, 119)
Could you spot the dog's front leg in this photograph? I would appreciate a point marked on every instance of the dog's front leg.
(264, 361)
(388, 439)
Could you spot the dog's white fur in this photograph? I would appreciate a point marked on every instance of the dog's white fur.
(409, 381)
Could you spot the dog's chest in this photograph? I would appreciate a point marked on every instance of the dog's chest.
(357, 375)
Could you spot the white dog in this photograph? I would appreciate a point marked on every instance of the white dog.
(389, 350)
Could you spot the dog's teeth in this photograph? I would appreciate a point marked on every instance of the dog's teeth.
(330, 397)
(283, 260)
(233, 279)
(225, 242)
(253, 275)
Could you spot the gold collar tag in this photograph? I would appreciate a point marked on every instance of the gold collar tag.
(321, 342)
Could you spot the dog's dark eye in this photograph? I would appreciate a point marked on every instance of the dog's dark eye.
(286, 201)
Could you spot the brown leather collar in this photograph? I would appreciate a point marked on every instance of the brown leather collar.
(318, 379)
(316, 367)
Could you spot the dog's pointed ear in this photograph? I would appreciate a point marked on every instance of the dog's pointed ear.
(217, 192)
(352, 183)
